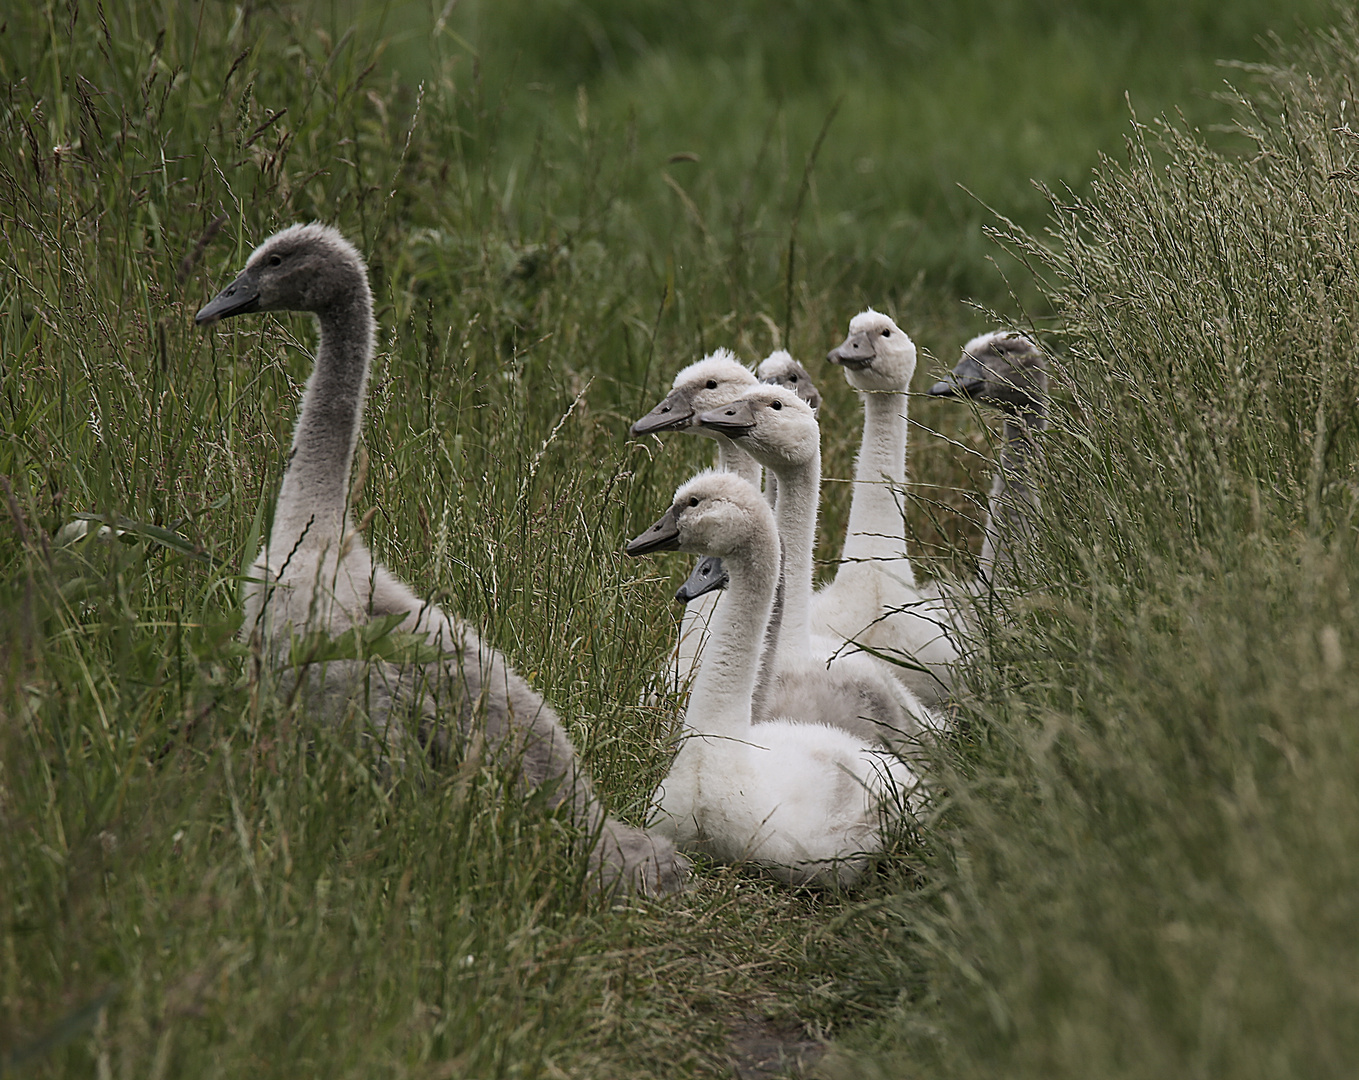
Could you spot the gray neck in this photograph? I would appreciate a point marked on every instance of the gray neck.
(720, 700)
(314, 495)
(1014, 503)
(876, 528)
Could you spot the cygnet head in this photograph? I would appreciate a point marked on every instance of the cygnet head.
(715, 513)
(780, 369)
(303, 268)
(716, 379)
(771, 423)
(877, 355)
(1003, 369)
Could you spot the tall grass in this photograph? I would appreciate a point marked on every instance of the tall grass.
(1149, 867)
(197, 880)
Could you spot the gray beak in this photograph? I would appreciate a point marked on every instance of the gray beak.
(663, 536)
(238, 298)
(708, 574)
(967, 380)
(672, 414)
(732, 420)
(855, 352)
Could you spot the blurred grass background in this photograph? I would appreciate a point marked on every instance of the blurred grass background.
(1146, 861)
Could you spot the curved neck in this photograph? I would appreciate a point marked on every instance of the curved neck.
(313, 497)
(720, 699)
(876, 527)
(799, 498)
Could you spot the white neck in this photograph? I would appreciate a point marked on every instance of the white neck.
(312, 502)
(799, 489)
(720, 700)
(732, 459)
(876, 528)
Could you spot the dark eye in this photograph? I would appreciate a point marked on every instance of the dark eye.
(776, 404)
(792, 378)
(712, 384)
(887, 332)
(693, 500)
(275, 260)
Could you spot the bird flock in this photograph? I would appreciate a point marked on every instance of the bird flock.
(806, 708)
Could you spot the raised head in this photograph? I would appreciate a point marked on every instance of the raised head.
(771, 423)
(303, 268)
(877, 355)
(780, 369)
(715, 513)
(1003, 369)
(705, 384)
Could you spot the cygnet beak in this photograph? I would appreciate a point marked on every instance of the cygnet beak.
(663, 536)
(732, 420)
(672, 414)
(967, 380)
(238, 298)
(708, 574)
(855, 352)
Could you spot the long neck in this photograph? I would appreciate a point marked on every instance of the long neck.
(799, 496)
(311, 506)
(1014, 499)
(732, 459)
(876, 529)
(720, 700)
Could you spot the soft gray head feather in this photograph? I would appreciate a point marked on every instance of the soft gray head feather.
(877, 356)
(780, 369)
(1002, 369)
(301, 268)
(702, 385)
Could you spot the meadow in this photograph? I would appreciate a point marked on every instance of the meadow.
(1144, 857)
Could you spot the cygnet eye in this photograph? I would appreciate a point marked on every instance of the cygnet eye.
(792, 378)
(712, 384)
(693, 500)
(776, 404)
(887, 332)
(276, 259)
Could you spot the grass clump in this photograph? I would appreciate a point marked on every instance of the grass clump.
(1147, 869)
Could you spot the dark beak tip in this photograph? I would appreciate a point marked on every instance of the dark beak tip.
(656, 424)
(943, 388)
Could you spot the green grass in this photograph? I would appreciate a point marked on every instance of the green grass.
(940, 111)
(1149, 863)
(1146, 861)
